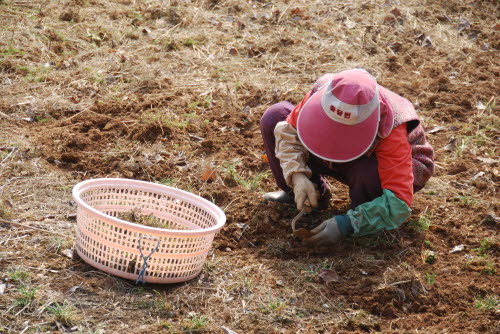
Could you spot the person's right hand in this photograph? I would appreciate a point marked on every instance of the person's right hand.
(304, 190)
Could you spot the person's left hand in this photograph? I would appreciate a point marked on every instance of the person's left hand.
(327, 233)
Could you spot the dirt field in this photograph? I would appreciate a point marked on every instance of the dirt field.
(163, 90)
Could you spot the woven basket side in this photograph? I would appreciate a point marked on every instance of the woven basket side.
(112, 245)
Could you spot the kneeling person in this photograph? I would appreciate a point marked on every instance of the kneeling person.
(363, 135)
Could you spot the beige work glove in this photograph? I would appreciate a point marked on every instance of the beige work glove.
(305, 191)
(327, 233)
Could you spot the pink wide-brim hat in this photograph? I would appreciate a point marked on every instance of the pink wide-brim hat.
(339, 122)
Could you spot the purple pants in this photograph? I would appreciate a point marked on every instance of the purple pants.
(361, 175)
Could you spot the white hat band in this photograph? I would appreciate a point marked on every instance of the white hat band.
(346, 113)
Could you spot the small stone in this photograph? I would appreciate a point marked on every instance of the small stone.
(227, 330)
(478, 174)
(480, 105)
(457, 249)
(73, 289)
(68, 253)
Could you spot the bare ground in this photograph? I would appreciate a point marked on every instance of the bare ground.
(158, 91)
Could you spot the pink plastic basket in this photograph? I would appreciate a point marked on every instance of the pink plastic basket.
(112, 244)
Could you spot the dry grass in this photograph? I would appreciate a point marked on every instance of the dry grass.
(195, 66)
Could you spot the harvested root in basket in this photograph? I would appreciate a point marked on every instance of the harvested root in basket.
(136, 216)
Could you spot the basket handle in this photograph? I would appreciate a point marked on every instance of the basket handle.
(145, 259)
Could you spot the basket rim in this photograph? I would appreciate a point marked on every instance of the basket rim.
(80, 187)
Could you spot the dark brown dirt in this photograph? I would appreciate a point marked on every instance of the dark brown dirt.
(156, 92)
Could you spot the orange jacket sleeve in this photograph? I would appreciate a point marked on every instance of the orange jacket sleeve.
(294, 115)
(395, 164)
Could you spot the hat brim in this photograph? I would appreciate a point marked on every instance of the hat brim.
(331, 140)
